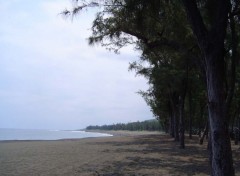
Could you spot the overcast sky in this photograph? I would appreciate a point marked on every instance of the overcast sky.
(51, 79)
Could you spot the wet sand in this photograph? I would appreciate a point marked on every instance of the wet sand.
(126, 153)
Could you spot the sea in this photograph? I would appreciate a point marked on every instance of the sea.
(29, 134)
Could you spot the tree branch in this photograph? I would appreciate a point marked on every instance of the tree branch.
(196, 21)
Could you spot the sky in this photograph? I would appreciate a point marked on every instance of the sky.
(50, 78)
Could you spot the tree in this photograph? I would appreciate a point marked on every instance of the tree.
(161, 25)
(211, 43)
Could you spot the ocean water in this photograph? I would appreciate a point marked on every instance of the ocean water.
(22, 134)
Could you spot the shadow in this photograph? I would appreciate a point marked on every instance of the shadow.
(149, 153)
(174, 166)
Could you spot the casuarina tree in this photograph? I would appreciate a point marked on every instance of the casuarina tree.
(175, 27)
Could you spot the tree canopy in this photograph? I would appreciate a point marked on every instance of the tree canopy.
(190, 52)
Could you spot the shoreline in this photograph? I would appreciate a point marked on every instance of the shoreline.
(124, 132)
(110, 133)
(125, 154)
(52, 136)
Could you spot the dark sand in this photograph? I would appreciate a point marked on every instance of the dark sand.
(124, 154)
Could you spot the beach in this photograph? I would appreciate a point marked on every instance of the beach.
(125, 153)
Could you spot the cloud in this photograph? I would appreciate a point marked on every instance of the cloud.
(51, 78)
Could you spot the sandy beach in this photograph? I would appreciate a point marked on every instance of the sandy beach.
(126, 153)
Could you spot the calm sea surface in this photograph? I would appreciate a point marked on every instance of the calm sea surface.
(20, 134)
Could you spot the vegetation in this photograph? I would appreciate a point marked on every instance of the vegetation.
(148, 125)
(190, 57)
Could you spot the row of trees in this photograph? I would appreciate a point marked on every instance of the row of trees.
(190, 56)
(148, 125)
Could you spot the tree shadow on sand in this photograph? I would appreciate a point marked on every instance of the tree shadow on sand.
(152, 153)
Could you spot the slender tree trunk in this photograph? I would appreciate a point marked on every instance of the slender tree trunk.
(211, 43)
(207, 129)
(182, 122)
(236, 136)
(209, 147)
(200, 121)
(174, 106)
(176, 125)
(190, 114)
(237, 132)
(234, 43)
(166, 124)
(238, 128)
(222, 163)
(232, 127)
(199, 131)
(204, 134)
(171, 121)
(175, 113)
(172, 133)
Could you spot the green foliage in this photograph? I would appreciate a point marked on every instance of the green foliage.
(171, 59)
(148, 125)
(160, 30)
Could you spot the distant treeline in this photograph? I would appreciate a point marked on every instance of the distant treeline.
(148, 125)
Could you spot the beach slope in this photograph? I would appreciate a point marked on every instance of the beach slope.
(122, 154)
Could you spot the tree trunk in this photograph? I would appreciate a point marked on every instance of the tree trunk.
(207, 130)
(236, 136)
(204, 134)
(200, 120)
(182, 122)
(175, 114)
(176, 125)
(171, 130)
(211, 43)
(234, 43)
(190, 114)
(237, 132)
(171, 121)
(238, 128)
(222, 164)
(166, 126)
(174, 106)
(209, 147)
